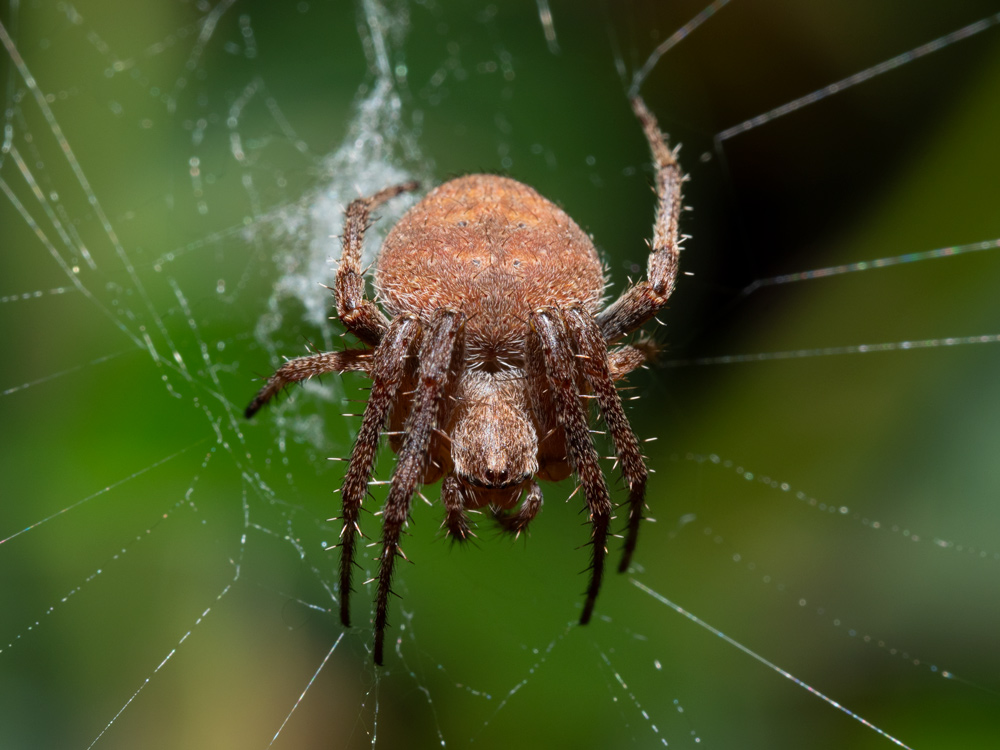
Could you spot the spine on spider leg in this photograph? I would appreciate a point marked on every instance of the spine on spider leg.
(386, 375)
(442, 346)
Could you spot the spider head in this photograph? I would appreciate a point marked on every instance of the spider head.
(493, 443)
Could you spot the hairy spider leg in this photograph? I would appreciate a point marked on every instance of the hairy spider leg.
(518, 521)
(624, 359)
(361, 316)
(549, 341)
(593, 355)
(642, 301)
(303, 368)
(440, 351)
(389, 362)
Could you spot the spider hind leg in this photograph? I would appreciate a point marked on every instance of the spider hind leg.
(641, 302)
(362, 317)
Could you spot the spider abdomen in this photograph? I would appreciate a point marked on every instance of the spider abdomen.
(494, 249)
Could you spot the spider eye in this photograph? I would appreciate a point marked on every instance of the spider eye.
(497, 478)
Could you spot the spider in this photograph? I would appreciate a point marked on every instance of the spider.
(492, 333)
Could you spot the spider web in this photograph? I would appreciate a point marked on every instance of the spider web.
(827, 542)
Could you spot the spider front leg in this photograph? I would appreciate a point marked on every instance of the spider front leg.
(387, 370)
(549, 350)
(593, 356)
(440, 351)
(641, 302)
(303, 368)
(361, 316)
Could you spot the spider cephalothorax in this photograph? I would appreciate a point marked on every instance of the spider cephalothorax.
(494, 331)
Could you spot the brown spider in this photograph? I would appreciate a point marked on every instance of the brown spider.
(494, 331)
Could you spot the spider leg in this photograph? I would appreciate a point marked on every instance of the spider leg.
(386, 373)
(625, 359)
(303, 368)
(361, 316)
(641, 302)
(439, 352)
(456, 520)
(515, 523)
(594, 363)
(549, 342)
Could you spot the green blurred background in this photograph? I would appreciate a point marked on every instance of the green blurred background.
(192, 534)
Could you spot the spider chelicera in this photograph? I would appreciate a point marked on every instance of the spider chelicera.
(492, 332)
